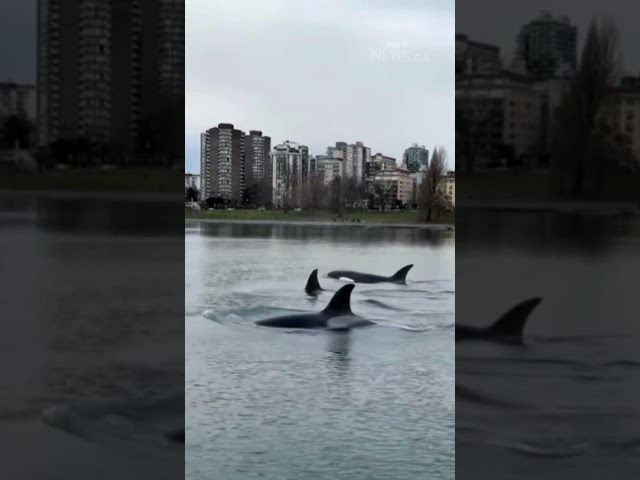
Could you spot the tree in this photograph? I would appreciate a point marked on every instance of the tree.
(335, 201)
(314, 193)
(583, 145)
(17, 132)
(351, 191)
(192, 195)
(382, 191)
(430, 196)
(290, 191)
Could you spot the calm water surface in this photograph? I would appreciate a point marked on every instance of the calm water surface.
(567, 405)
(91, 373)
(377, 403)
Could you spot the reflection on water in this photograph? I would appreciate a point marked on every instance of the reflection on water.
(565, 405)
(339, 343)
(322, 233)
(103, 215)
(544, 232)
(91, 292)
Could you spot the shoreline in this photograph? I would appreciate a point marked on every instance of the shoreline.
(324, 223)
(92, 195)
(546, 206)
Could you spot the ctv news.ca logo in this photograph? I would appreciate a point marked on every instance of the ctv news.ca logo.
(397, 52)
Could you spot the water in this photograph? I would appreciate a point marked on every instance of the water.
(566, 405)
(377, 403)
(92, 375)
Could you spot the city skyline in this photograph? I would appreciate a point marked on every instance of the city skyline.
(357, 90)
(513, 15)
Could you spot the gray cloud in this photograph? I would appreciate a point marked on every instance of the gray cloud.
(18, 40)
(313, 72)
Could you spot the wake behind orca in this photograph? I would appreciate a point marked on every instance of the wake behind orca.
(399, 277)
(336, 316)
(508, 328)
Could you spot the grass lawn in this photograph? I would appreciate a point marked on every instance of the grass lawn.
(537, 186)
(157, 180)
(278, 215)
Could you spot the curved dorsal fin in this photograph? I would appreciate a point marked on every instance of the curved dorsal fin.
(512, 323)
(313, 285)
(340, 303)
(401, 275)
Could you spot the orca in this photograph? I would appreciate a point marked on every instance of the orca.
(339, 308)
(399, 277)
(313, 285)
(508, 328)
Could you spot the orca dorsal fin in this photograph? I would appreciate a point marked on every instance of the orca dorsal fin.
(341, 301)
(313, 285)
(512, 323)
(401, 275)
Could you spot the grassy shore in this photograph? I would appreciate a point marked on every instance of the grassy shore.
(397, 217)
(538, 186)
(156, 180)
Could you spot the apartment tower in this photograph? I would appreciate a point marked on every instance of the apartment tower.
(112, 73)
(222, 156)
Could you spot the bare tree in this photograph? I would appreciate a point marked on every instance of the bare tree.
(335, 200)
(263, 191)
(16, 132)
(313, 193)
(350, 191)
(430, 195)
(290, 193)
(583, 145)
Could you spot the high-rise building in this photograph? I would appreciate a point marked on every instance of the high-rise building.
(474, 58)
(362, 156)
(329, 168)
(18, 100)
(112, 73)
(222, 154)
(313, 165)
(191, 181)
(624, 104)
(548, 46)
(289, 163)
(337, 151)
(503, 119)
(447, 187)
(376, 164)
(257, 163)
(354, 159)
(394, 185)
(416, 158)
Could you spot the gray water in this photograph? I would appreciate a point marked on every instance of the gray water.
(377, 403)
(567, 404)
(91, 372)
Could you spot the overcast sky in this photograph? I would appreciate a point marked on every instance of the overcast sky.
(498, 21)
(18, 40)
(312, 72)
(307, 70)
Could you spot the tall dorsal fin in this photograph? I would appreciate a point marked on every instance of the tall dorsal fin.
(512, 323)
(313, 285)
(340, 303)
(401, 275)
